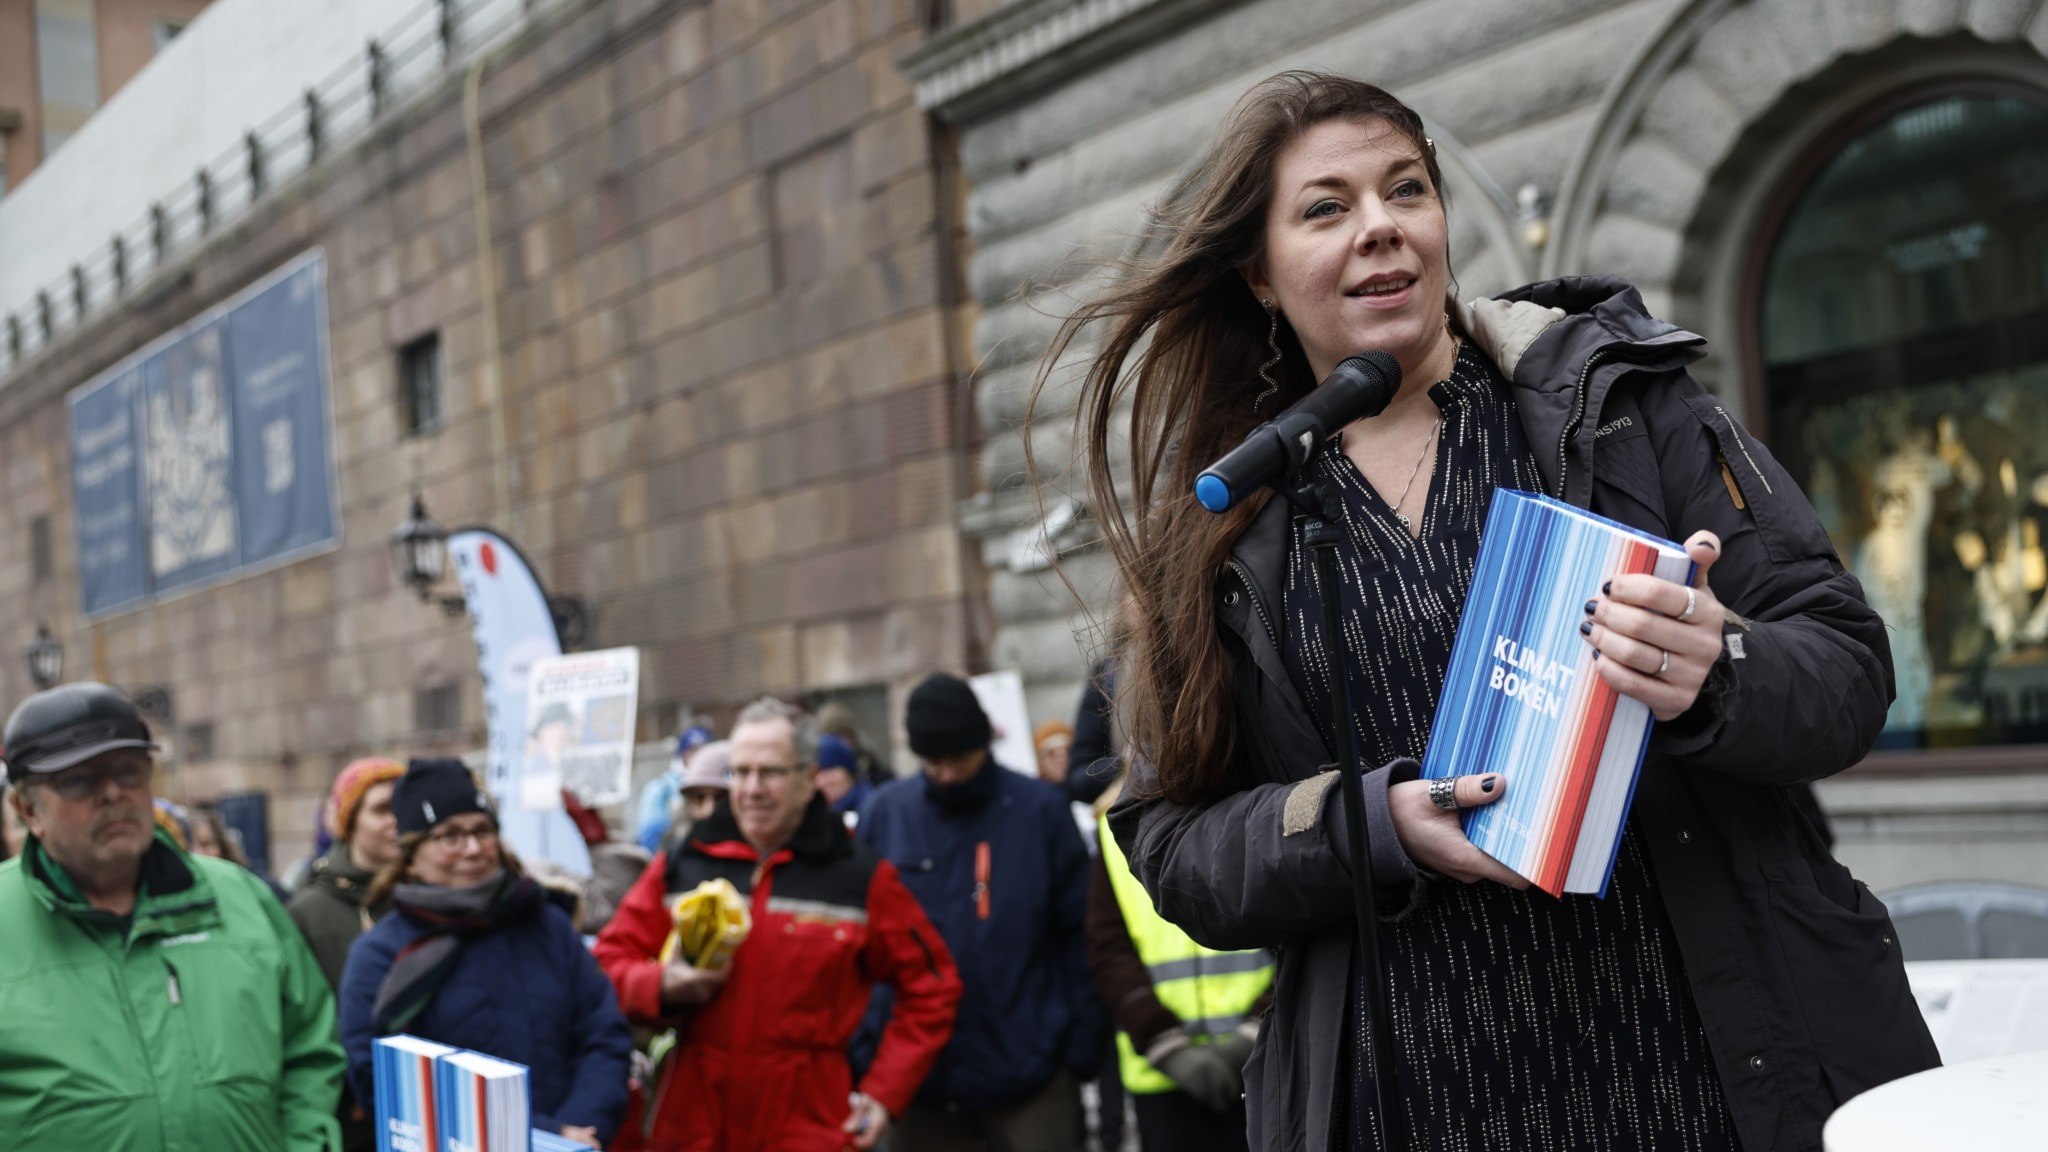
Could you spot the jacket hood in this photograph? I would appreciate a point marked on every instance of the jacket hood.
(1572, 317)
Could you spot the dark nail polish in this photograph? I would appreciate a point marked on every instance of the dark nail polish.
(1591, 605)
(1607, 588)
(1596, 653)
(1585, 627)
(1710, 545)
(1487, 784)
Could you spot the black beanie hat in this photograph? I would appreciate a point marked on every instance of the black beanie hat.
(943, 717)
(432, 790)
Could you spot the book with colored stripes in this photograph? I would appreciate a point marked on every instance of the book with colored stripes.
(1521, 697)
(402, 1078)
(484, 1105)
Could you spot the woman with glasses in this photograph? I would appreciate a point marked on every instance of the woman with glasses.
(473, 954)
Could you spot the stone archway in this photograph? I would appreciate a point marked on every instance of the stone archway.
(1655, 194)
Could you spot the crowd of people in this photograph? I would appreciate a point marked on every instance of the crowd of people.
(938, 961)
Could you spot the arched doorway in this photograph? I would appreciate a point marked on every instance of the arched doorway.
(1901, 332)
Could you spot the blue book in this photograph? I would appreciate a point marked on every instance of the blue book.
(402, 1078)
(1521, 697)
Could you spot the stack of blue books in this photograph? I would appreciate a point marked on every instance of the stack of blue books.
(434, 1098)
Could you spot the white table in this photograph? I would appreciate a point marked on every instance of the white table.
(1984, 1106)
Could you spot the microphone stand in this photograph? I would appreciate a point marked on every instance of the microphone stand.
(1321, 504)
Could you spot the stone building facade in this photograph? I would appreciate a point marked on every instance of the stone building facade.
(721, 313)
(1700, 148)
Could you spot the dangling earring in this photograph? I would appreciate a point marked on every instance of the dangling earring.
(1273, 342)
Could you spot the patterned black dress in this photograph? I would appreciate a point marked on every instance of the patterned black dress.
(1520, 1021)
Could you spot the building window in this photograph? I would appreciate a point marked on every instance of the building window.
(1904, 336)
(198, 742)
(67, 67)
(419, 386)
(40, 559)
(437, 708)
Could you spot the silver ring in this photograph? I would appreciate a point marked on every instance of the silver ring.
(1692, 601)
(1443, 793)
(1664, 666)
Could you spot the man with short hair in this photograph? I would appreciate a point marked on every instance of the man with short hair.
(154, 1001)
(760, 1061)
(1004, 876)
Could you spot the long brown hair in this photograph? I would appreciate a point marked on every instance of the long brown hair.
(1183, 309)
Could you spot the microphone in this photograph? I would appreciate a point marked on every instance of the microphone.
(1360, 386)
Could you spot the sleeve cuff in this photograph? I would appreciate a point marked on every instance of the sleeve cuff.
(1170, 1041)
(1398, 882)
(1698, 726)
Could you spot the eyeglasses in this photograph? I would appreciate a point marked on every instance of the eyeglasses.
(453, 839)
(89, 780)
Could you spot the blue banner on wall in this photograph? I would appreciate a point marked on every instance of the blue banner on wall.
(207, 454)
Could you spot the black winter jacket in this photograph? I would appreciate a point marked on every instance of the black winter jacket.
(1793, 963)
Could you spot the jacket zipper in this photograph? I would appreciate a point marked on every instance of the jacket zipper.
(1564, 438)
(1251, 589)
(1744, 449)
(177, 997)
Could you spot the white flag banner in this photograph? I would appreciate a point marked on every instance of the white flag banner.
(513, 630)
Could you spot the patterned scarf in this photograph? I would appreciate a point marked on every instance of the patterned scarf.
(452, 917)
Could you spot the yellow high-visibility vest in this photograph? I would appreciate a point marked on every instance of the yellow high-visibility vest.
(1209, 990)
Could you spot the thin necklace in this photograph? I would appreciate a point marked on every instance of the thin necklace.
(1408, 525)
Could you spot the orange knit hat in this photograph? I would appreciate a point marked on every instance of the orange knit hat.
(1050, 730)
(355, 780)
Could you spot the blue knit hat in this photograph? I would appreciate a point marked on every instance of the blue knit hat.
(694, 737)
(835, 752)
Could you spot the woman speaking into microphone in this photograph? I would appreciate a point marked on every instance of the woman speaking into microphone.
(1735, 983)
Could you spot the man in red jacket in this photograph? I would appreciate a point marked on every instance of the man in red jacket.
(760, 1060)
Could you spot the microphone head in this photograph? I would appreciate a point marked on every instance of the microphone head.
(1378, 371)
(1212, 492)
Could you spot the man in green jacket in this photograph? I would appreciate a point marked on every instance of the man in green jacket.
(154, 1001)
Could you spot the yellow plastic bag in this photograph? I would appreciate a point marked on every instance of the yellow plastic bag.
(712, 922)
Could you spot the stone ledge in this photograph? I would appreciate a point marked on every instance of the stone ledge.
(1030, 46)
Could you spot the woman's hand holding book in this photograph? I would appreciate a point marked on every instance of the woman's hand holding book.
(1655, 640)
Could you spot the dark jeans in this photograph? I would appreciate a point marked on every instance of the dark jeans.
(1174, 1122)
(1043, 1123)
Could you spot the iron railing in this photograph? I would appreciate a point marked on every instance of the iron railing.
(415, 52)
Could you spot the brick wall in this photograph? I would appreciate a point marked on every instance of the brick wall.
(733, 410)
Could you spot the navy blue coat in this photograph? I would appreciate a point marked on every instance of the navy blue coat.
(1029, 1006)
(529, 993)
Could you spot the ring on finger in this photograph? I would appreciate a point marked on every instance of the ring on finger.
(1692, 601)
(1443, 793)
(1663, 665)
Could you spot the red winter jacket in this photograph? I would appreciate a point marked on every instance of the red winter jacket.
(764, 1065)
